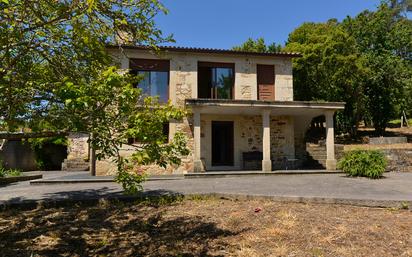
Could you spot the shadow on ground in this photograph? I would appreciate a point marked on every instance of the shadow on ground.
(115, 228)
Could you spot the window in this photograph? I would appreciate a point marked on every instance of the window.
(215, 80)
(155, 77)
(155, 83)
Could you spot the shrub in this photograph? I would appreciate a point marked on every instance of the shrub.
(8, 172)
(3, 171)
(14, 173)
(363, 163)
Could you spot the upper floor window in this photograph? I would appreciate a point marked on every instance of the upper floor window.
(215, 80)
(155, 77)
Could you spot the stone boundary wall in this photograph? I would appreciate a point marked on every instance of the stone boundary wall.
(387, 140)
(17, 155)
(399, 159)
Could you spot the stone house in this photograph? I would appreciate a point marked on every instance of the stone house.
(243, 116)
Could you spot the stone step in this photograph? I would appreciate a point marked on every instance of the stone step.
(71, 162)
(77, 164)
(77, 169)
(315, 152)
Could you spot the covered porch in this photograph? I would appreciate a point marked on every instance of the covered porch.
(276, 127)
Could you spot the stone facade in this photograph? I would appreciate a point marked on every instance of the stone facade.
(248, 138)
(183, 73)
(247, 128)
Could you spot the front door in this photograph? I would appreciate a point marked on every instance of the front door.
(222, 143)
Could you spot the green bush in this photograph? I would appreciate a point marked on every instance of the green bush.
(3, 172)
(363, 163)
(14, 173)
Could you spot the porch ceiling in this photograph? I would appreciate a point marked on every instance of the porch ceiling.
(255, 107)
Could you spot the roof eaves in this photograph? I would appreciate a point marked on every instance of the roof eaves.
(205, 50)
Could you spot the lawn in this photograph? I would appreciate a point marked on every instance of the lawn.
(206, 227)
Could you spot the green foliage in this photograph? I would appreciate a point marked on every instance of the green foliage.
(14, 173)
(330, 69)
(384, 38)
(3, 172)
(43, 43)
(259, 46)
(56, 75)
(8, 172)
(364, 61)
(113, 110)
(363, 163)
(131, 182)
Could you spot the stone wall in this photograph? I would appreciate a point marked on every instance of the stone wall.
(284, 81)
(18, 155)
(248, 135)
(387, 140)
(183, 72)
(282, 141)
(78, 147)
(107, 167)
(399, 159)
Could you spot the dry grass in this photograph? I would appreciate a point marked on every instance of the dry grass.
(210, 227)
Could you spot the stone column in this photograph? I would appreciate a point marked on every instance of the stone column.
(330, 142)
(266, 162)
(197, 163)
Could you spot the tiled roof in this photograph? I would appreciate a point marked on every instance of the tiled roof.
(206, 50)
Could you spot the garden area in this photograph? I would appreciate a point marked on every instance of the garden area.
(206, 227)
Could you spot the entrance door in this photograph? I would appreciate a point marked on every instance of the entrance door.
(222, 143)
(266, 82)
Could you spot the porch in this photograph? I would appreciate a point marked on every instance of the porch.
(277, 129)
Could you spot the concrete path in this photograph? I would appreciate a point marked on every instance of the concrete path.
(335, 188)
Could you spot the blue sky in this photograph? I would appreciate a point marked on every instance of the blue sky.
(225, 23)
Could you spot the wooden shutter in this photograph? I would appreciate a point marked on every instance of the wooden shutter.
(149, 65)
(266, 82)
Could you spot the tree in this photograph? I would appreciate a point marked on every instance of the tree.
(44, 42)
(259, 46)
(55, 75)
(113, 110)
(365, 61)
(330, 69)
(401, 5)
(384, 38)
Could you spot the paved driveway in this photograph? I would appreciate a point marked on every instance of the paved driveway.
(327, 188)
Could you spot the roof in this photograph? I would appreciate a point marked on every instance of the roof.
(205, 50)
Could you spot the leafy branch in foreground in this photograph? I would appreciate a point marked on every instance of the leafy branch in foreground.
(55, 76)
(113, 110)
